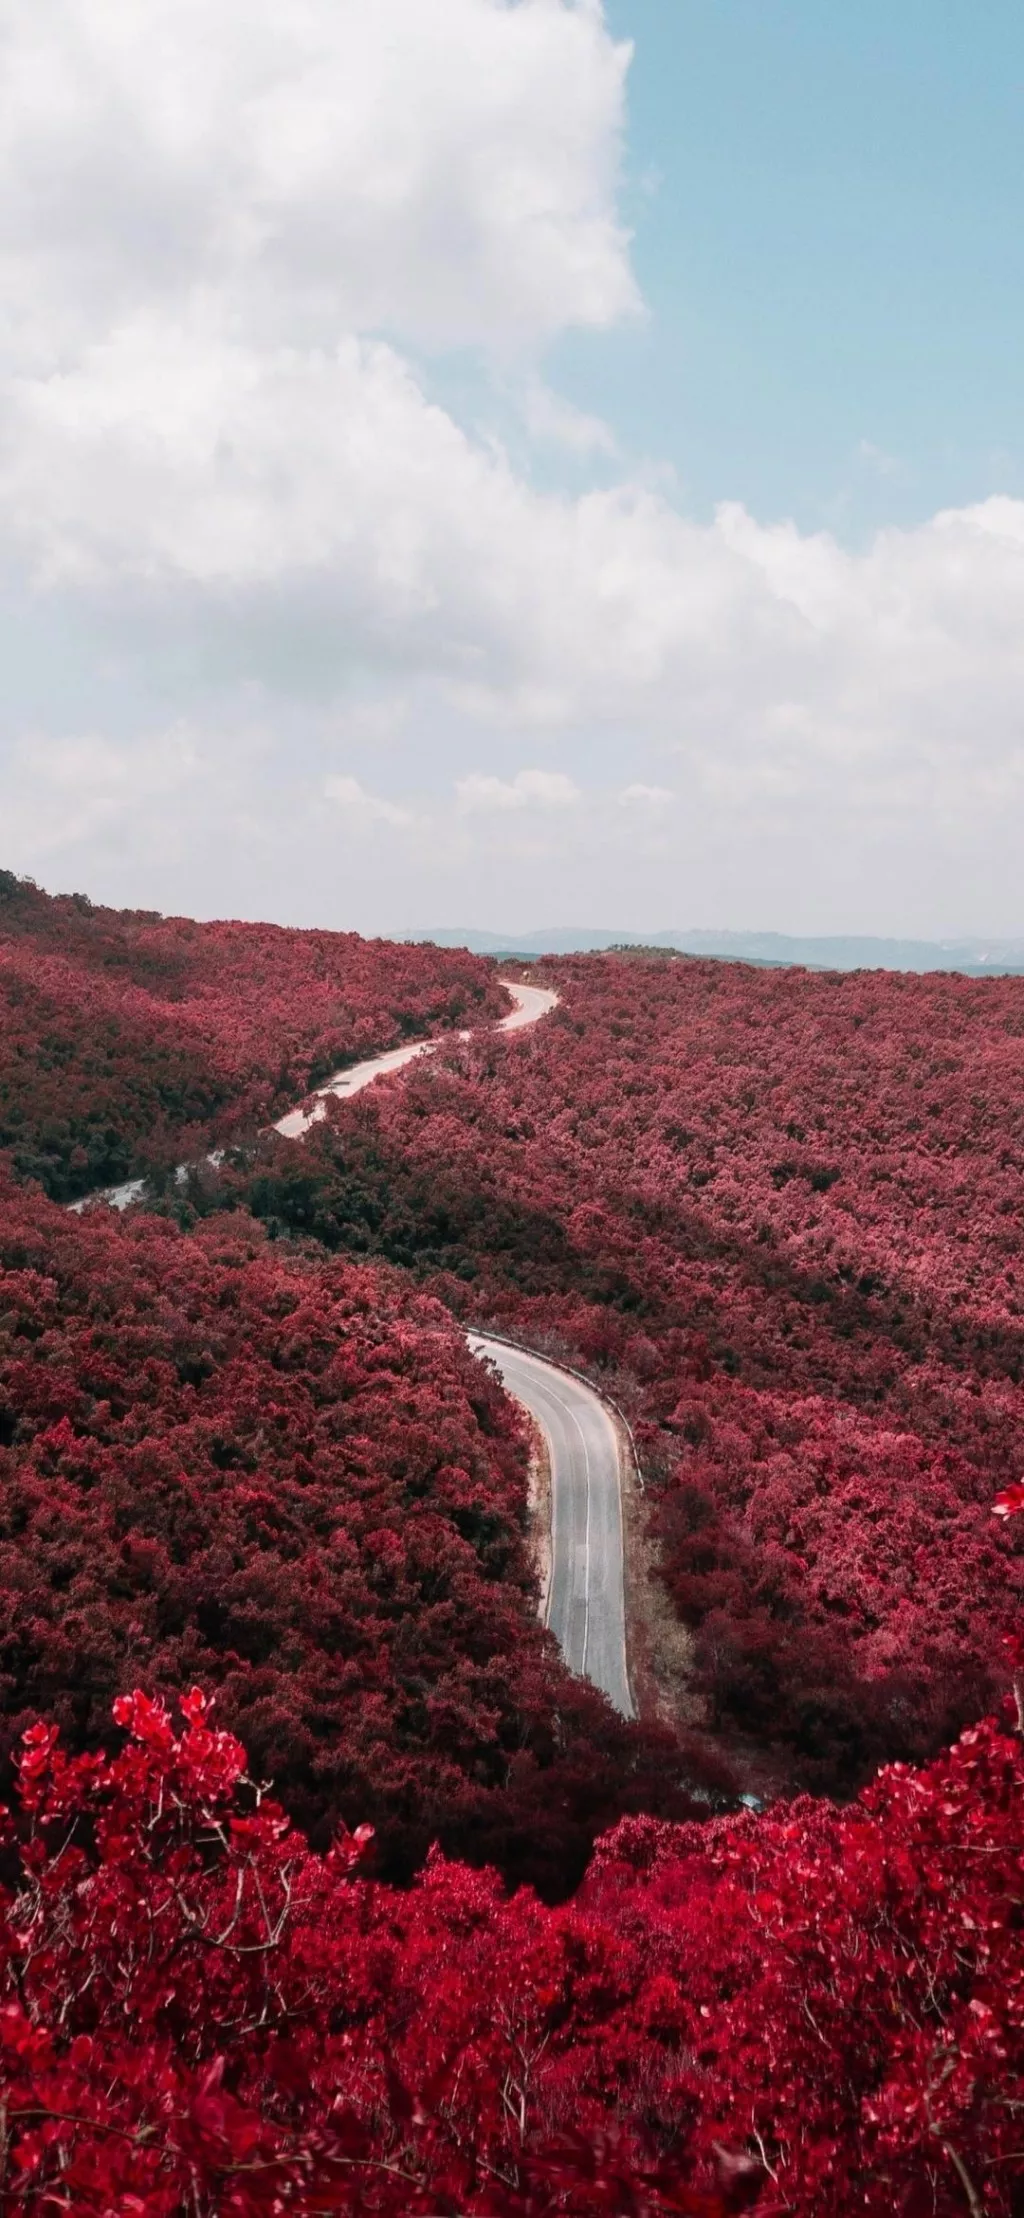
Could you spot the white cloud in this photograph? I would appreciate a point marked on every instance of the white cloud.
(480, 794)
(62, 792)
(884, 465)
(222, 233)
(549, 417)
(320, 496)
(362, 808)
(445, 172)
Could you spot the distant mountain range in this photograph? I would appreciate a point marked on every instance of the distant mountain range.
(976, 958)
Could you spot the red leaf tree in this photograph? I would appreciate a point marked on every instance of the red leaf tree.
(818, 2011)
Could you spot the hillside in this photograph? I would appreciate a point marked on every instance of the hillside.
(288, 1480)
(252, 1959)
(780, 1213)
(128, 1040)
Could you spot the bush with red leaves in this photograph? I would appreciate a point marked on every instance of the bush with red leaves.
(780, 1214)
(817, 2012)
(129, 1040)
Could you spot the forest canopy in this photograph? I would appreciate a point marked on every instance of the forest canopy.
(289, 1479)
(778, 1213)
(130, 1041)
(324, 1886)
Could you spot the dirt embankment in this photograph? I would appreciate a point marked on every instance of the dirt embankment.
(540, 1513)
(659, 1648)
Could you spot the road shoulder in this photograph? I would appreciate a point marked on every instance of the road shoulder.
(659, 1650)
(539, 1504)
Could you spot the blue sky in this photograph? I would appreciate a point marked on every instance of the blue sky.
(829, 236)
(515, 462)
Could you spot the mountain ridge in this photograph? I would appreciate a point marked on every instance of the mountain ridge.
(975, 957)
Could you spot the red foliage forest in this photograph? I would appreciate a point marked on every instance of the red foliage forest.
(289, 1479)
(780, 1213)
(243, 1447)
(129, 1040)
(816, 2011)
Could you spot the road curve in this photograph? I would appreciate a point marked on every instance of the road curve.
(586, 1605)
(531, 1002)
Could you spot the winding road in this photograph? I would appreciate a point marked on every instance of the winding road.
(531, 1002)
(585, 1601)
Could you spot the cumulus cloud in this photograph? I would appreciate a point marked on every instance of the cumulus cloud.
(323, 491)
(551, 418)
(529, 789)
(447, 173)
(362, 808)
(226, 238)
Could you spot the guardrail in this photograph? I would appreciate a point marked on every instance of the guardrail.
(508, 1340)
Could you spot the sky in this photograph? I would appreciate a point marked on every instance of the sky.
(515, 462)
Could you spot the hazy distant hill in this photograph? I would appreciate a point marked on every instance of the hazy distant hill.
(838, 952)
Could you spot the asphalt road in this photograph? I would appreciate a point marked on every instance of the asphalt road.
(585, 1604)
(531, 1002)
